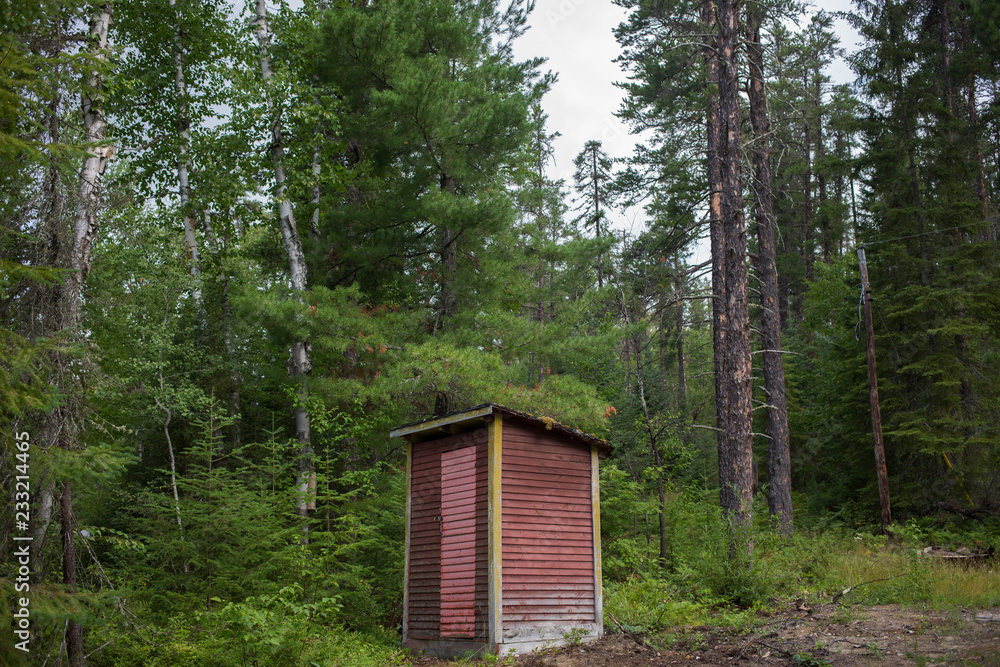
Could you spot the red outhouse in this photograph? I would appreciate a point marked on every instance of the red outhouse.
(503, 533)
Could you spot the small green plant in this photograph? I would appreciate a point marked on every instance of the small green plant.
(875, 649)
(494, 660)
(575, 636)
(844, 614)
(271, 629)
(648, 604)
(809, 660)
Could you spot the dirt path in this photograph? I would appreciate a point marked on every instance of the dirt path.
(826, 634)
(821, 635)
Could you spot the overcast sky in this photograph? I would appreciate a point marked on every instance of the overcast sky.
(577, 39)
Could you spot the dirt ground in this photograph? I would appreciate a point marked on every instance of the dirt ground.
(824, 634)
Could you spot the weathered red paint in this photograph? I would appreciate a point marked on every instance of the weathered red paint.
(537, 498)
(447, 582)
(545, 556)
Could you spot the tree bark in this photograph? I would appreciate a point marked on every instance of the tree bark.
(184, 147)
(681, 368)
(41, 518)
(299, 362)
(89, 189)
(716, 229)
(317, 171)
(449, 261)
(824, 214)
(597, 215)
(980, 186)
(779, 496)
(84, 232)
(807, 200)
(736, 456)
(880, 468)
(74, 633)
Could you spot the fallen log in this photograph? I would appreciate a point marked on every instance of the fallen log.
(963, 554)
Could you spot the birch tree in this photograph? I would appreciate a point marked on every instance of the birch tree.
(78, 265)
(299, 364)
(174, 76)
(184, 145)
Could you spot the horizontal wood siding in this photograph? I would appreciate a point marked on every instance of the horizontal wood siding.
(424, 581)
(548, 546)
(458, 542)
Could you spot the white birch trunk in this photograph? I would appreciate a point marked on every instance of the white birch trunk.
(184, 147)
(84, 232)
(299, 362)
(89, 189)
(317, 172)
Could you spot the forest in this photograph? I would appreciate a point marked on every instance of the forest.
(240, 243)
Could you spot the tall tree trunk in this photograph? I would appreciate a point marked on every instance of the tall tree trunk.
(317, 171)
(779, 496)
(980, 186)
(716, 228)
(807, 202)
(89, 190)
(681, 368)
(597, 217)
(84, 232)
(449, 260)
(736, 457)
(838, 187)
(41, 518)
(881, 473)
(945, 35)
(824, 214)
(184, 146)
(299, 363)
(74, 632)
(635, 344)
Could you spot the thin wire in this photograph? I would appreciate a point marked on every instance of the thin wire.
(857, 327)
(887, 330)
(943, 260)
(936, 231)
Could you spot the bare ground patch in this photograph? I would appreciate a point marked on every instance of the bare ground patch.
(824, 634)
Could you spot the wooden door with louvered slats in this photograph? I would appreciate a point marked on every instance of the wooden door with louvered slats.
(458, 542)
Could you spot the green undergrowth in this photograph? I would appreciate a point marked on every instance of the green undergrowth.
(180, 644)
(703, 587)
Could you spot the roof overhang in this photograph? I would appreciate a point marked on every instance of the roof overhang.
(464, 421)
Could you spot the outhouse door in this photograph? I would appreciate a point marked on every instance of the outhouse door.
(458, 543)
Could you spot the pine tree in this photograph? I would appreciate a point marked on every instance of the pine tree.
(591, 180)
(779, 495)
(436, 115)
(931, 260)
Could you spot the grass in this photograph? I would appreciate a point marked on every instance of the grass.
(815, 567)
(887, 574)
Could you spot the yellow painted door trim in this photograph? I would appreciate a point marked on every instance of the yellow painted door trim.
(495, 542)
(595, 509)
(406, 569)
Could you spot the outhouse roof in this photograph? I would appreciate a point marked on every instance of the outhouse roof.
(472, 418)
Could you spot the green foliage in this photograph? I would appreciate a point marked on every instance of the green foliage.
(273, 628)
(624, 547)
(575, 636)
(646, 604)
(808, 660)
(423, 138)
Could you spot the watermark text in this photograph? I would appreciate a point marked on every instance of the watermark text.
(22, 540)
